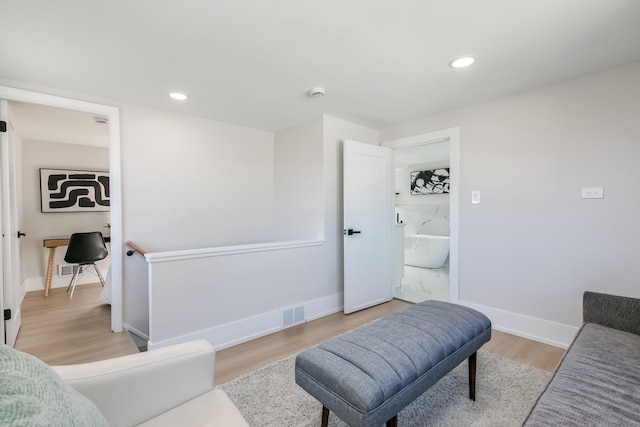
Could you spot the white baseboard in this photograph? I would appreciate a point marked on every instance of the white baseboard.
(247, 329)
(37, 283)
(136, 331)
(243, 330)
(544, 331)
(34, 284)
(321, 307)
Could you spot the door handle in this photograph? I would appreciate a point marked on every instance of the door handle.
(351, 232)
(20, 234)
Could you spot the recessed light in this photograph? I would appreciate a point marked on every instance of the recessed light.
(178, 96)
(462, 62)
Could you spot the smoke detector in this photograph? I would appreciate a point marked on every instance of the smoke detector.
(101, 120)
(316, 92)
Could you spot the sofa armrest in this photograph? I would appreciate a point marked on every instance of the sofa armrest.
(613, 311)
(131, 389)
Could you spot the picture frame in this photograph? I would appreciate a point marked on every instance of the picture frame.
(433, 181)
(67, 190)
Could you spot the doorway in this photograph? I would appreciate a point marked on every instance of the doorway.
(111, 114)
(427, 220)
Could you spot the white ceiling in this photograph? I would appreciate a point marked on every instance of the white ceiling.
(251, 62)
(433, 152)
(52, 124)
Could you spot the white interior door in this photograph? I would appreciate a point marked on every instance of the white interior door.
(11, 280)
(368, 181)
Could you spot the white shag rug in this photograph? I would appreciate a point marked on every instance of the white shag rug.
(505, 391)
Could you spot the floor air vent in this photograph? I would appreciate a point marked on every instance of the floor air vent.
(67, 270)
(292, 316)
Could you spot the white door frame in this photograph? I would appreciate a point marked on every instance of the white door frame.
(115, 179)
(11, 274)
(453, 136)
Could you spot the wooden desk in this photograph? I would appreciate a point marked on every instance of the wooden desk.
(52, 243)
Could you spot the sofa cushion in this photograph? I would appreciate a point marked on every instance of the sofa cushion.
(596, 383)
(209, 409)
(32, 394)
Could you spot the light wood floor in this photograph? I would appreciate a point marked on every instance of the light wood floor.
(62, 332)
(240, 359)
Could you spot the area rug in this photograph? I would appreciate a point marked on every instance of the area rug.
(505, 391)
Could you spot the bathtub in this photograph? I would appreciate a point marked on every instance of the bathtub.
(425, 250)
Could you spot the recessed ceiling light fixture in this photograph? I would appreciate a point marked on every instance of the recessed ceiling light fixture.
(462, 62)
(178, 96)
(316, 92)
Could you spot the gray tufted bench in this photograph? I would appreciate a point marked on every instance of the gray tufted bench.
(368, 375)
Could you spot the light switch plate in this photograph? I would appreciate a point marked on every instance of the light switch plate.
(475, 197)
(592, 193)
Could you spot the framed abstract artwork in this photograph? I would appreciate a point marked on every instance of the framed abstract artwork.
(63, 190)
(435, 181)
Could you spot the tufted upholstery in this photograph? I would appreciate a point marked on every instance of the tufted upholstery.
(368, 375)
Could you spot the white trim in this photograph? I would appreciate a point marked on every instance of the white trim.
(229, 250)
(136, 331)
(453, 136)
(324, 306)
(250, 328)
(422, 139)
(544, 331)
(113, 114)
(454, 214)
(37, 283)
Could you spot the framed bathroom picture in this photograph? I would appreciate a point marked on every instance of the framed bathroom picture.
(434, 181)
(63, 190)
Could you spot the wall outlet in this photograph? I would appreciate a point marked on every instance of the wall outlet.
(592, 193)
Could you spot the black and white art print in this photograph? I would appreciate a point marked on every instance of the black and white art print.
(74, 191)
(435, 181)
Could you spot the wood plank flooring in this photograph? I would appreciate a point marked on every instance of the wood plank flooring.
(240, 359)
(62, 331)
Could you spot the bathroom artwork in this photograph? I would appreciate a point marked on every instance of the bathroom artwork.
(435, 181)
(74, 191)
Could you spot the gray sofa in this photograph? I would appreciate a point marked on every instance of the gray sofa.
(597, 382)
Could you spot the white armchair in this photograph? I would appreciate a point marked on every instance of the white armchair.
(169, 386)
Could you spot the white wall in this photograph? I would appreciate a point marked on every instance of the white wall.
(190, 183)
(38, 225)
(532, 246)
(205, 294)
(299, 181)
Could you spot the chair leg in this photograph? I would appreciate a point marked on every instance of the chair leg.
(99, 274)
(74, 280)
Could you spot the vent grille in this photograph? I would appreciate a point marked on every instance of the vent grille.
(292, 316)
(67, 270)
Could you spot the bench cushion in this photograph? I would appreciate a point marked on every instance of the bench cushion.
(368, 375)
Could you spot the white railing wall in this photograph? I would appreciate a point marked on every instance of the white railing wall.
(230, 295)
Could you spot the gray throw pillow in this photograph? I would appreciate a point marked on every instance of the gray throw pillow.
(32, 394)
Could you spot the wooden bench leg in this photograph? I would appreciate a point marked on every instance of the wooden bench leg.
(325, 416)
(472, 377)
(393, 422)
